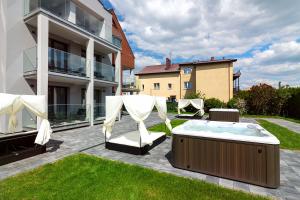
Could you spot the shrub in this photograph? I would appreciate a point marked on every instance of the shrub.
(279, 101)
(241, 106)
(172, 106)
(195, 95)
(232, 103)
(266, 100)
(260, 99)
(213, 103)
(237, 103)
(242, 94)
(292, 106)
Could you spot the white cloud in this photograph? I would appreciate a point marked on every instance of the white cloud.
(201, 29)
(280, 62)
(140, 61)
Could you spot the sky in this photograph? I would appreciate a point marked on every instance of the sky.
(263, 35)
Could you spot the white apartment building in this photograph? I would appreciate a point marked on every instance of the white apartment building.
(62, 49)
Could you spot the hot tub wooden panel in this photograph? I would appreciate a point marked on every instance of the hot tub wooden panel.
(243, 161)
(225, 116)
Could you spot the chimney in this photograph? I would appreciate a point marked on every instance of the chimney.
(168, 63)
(212, 58)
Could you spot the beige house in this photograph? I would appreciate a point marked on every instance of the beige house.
(214, 78)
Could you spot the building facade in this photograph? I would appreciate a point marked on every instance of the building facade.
(213, 78)
(64, 50)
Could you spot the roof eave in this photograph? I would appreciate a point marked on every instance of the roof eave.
(138, 74)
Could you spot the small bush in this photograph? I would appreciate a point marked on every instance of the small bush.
(260, 99)
(243, 94)
(172, 106)
(213, 103)
(232, 103)
(239, 104)
(279, 101)
(195, 95)
(292, 106)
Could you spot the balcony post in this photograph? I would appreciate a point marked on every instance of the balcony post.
(42, 58)
(90, 86)
(118, 71)
(3, 51)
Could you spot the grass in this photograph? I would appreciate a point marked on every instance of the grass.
(162, 128)
(288, 139)
(88, 177)
(273, 116)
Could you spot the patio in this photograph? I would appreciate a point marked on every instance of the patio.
(90, 140)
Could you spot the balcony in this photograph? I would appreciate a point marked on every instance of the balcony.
(58, 62)
(66, 63)
(104, 72)
(66, 114)
(68, 11)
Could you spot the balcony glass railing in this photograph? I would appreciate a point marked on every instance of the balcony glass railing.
(104, 72)
(63, 62)
(69, 11)
(99, 111)
(58, 61)
(30, 60)
(63, 114)
(116, 41)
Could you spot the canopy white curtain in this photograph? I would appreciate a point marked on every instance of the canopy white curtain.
(196, 103)
(112, 109)
(139, 107)
(12, 104)
(161, 107)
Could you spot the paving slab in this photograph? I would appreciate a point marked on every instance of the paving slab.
(90, 140)
(293, 126)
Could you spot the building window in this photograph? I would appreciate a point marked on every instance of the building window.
(170, 86)
(143, 87)
(187, 70)
(187, 85)
(156, 86)
(172, 98)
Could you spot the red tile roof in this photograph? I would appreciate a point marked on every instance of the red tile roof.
(154, 69)
(199, 62)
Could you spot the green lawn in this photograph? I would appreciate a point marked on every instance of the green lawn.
(162, 127)
(272, 116)
(288, 139)
(87, 177)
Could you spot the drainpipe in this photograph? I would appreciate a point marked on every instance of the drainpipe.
(229, 86)
(180, 82)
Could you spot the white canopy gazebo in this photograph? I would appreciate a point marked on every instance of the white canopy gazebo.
(196, 103)
(11, 104)
(139, 108)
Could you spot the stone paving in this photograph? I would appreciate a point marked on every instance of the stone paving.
(90, 140)
(287, 124)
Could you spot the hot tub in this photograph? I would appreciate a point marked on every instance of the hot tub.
(240, 151)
